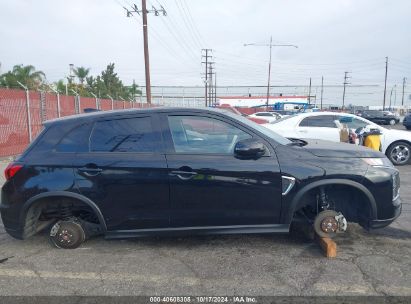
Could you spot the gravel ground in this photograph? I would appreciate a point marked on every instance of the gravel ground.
(368, 263)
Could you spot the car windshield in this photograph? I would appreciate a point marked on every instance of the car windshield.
(267, 132)
(282, 119)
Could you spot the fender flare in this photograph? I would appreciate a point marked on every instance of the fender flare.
(292, 208)
(29, 203)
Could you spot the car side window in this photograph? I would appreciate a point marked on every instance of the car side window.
(76, 140)
(124, 135)
(322, 121)
(204, 135)
(263, 114)
(356, 123)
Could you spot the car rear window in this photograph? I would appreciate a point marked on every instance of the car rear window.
(76, 140)
(124, 135)
(322, 121)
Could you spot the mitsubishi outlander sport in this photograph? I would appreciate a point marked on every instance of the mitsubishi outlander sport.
(175, 171)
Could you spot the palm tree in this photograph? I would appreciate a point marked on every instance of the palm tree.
(81, 73)
(28, 75)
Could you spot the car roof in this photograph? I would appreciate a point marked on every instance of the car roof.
(114, 113)
(306, 114)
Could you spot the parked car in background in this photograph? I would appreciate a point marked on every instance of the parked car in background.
(379, 117)
(165, 171)
(284, 113)
(407, 122)
(260, 120)
(391, 113)
(396, 144)
(269, 116)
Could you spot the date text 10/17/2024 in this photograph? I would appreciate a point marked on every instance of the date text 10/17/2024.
(202, 299)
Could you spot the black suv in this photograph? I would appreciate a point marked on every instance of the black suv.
(407, 122)
(379, 117)
(172, 171)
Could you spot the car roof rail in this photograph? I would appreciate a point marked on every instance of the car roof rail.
(89, 110)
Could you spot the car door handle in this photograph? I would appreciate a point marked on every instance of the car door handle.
(90, 171)
(302, 131)
(184, 175)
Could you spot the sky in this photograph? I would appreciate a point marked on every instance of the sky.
(332, 37)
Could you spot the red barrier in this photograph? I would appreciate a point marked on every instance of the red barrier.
(14, 128)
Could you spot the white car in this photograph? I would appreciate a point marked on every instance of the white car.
(396, 144)
(269, 116)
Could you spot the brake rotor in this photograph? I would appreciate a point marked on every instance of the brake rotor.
(326, 223)
(67, 234)
(329, 224)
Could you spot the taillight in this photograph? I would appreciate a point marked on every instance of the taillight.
(11, 170)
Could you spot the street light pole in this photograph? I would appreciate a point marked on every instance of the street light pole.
(270, 45)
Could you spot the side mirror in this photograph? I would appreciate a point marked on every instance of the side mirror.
(249, 148)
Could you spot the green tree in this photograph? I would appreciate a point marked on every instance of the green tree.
(27, 75)
(81, 73)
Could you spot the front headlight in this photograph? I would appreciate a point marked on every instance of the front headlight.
(378, 162)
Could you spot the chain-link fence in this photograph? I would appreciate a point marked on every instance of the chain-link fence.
(22, 114)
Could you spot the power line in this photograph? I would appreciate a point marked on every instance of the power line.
(144, 13)
(186, 40)
(200, 37)
(177, 33)
(177, 56)
(187, 22)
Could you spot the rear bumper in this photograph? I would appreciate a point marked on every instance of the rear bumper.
(10, 223)
(375, 224)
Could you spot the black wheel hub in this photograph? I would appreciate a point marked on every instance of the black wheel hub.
(67, 234)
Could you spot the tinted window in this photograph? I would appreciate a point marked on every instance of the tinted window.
(263, 114)
(356, 123)
(76, 140)
(322, 121)
(196, 134)
(124, 135)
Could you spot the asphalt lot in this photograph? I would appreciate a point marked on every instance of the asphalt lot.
(368, 263)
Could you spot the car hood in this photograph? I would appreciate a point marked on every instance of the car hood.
(323, 148)
(398, 134)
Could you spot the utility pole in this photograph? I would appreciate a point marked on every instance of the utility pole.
(385, 83)
(403, 87)
(270, 45)
(207, 56)
(322, 90)
(215, 88)
(392, 89)
(210, 80)
(269, 74)
(144, 12)
(71, 72)
(309, 93)
(346, 77)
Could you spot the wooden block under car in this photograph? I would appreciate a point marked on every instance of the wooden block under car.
(328, 246)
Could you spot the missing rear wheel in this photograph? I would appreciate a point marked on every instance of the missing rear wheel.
(67, 234)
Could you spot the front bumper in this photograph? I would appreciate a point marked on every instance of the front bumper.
(375, 224)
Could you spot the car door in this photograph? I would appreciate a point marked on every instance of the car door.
(125, 173)
(318, 127)
(357, 123)
(209, 186)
